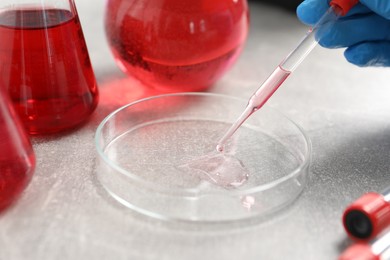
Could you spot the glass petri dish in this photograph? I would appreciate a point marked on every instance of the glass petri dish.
(142, 145)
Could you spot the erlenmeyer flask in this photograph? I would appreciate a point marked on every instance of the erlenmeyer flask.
(45, 65)
(17, 158)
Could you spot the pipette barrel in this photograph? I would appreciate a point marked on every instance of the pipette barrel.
(313, 36)
(309, 41)
(368, 216)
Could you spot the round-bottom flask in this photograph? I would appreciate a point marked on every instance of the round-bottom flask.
(176, 45)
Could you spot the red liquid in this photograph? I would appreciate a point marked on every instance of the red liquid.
(175, 44)
(15, 174)
(45, 64)
(17, 159)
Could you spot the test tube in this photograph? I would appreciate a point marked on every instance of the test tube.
(368, 216)
(377, 249)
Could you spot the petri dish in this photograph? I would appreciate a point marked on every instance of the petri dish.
(142, 145)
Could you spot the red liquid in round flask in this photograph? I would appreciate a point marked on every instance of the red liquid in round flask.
(45, 65)
(17, 158)
(176, 45)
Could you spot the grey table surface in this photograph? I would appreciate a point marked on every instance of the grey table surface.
(65, 213)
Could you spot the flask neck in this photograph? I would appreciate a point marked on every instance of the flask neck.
(67, 5)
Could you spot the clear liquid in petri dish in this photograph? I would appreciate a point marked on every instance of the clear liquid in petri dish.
(222, 168)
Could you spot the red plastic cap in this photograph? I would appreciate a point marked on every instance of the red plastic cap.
(359, 251)
(344, 5)
(372, 208)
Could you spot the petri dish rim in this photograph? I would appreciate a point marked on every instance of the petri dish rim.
(194, 193)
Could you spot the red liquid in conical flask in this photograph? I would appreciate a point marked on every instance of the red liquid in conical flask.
(17, 159)
(45, 64)
(177, 45)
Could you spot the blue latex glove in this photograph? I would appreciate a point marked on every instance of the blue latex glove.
(365, 30)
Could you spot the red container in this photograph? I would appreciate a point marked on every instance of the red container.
(17, 158)
(45, 64)
(176, 45)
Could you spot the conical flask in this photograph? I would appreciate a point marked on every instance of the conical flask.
(45, 65)
(17, 158)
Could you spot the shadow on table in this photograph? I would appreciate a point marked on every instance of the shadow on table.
(349, 159)
(113, 94)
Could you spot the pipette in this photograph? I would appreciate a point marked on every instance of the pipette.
(288, 65)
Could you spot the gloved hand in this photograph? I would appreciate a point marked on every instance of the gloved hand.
(365, 30)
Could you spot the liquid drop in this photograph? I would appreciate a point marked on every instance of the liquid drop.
(222, 169)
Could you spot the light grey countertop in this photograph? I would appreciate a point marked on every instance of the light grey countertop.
(65, 213)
